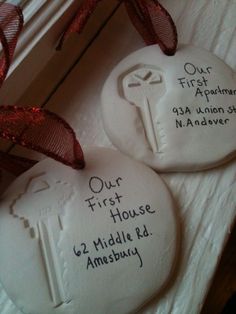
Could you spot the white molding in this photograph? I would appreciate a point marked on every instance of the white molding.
(44, 23)
(40, 17)
(42, 68)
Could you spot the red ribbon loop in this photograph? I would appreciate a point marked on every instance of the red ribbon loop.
(42, 131)
(154, 24)
(149, 17)
(11, 24)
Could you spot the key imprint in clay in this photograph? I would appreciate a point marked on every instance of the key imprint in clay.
(41, 213)
(143, 86)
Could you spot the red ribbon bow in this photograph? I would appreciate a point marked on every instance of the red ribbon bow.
(42, 130)
(34, 128)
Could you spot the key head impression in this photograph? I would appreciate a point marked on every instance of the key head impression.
(40, 193)
(142, 83)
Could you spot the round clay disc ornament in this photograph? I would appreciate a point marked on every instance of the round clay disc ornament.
(173, 113)
(99, 240)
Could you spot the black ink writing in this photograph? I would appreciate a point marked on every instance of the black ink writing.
(180, 111)
(96, 184)
(81, 251)
(217, 91)
(142, 232)
(200, 122)
(192, 69)
(116, 247)
(205, 116)
(231, 109)
(121, 215)
(184, 82)
(95, 202)
(210, 109)
(114, 256)
(119, 238)
(197, 78)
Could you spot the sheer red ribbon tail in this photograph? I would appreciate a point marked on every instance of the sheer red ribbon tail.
(11, 23)
(79, 21)
(154, 24)
(39, 130)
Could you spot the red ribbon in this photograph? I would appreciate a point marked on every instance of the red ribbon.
(42, 130)
(34, 128)
(11, 24)
(149, 17)
(153, 23)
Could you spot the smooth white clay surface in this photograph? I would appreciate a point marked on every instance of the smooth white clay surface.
(99, 240)
(173, 113)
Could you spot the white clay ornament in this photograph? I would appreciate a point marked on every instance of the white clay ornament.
(173, 113)
(99, 240)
